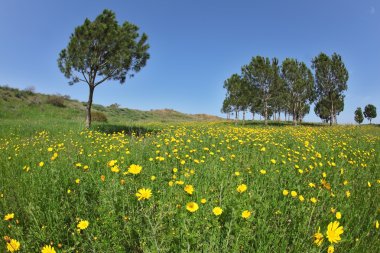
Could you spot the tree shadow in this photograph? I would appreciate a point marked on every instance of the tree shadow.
(129, 130)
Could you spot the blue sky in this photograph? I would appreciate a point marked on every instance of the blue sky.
(195, 46)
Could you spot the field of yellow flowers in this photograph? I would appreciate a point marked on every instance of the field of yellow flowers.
(200, 187)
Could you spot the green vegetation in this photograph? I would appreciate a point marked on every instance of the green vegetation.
(37, 109)
(269, 89)
(359, 115)
(184, 187)
(103, 50)
(370, 112)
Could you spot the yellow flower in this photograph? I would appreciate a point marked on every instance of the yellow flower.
(318, 237)
(13, 245)
(50, 149)
(41, 164)
(83, 224)
(285, 192)
(48, 249)
(144, 193)
(377, 225)
(217, 211)
(153, 178)
(192, 207)
(312, 185)
(237, 173)
(115, 169)
(241, 188)
(293, 193)
(348, 194)
(334, 231)
(112, 163)
(338, 215)
(263, 172)
(330, 249)
(9, 216)
(77, 180)
(134, 169)
(314, 200)
(203, 201)
(189, 189)
(301, 198)
(246, 214)
(273, 161)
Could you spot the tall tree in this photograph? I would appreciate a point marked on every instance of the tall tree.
(331, 78)
(233, 86)
(262, 73)
(103, 50)
(299, 83)
(370, 112)
(359, 115)
(279, 95)
(226, 107)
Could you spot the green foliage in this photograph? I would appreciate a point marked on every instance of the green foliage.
(359, 115)
(103, 50)
(370, 112)
(263, 74)
(58, 101)
(99, 117)
(299, 83)
(331, 78)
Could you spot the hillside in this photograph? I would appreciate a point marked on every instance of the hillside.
(28, 105)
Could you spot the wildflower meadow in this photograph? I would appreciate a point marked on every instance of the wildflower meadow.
(191, 187)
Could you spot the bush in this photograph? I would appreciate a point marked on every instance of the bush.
(56, 101)
(98, 116)
(30, 90)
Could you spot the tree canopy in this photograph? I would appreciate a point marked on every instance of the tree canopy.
(331, 78)
(359, 115)
(370, 112)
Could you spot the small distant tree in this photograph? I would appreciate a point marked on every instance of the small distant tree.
(102, 50)
(359, 115)
(370, 112)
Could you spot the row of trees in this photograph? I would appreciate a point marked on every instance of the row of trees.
(369, 113)
(267, 88)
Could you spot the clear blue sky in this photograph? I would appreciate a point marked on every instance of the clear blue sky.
(195, 46)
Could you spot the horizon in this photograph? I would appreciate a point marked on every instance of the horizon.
(191, 57)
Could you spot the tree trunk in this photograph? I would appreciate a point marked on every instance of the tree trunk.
(265, 112)
(253, 116)
(243, 117)
(294, 117)
(279, 116)
(236, 117)
(89, 104)
(331, 112)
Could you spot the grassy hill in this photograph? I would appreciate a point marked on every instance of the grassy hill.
(26, 105)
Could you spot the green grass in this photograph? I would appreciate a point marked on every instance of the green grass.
(24, 105)
(214, 157)
(207, 157)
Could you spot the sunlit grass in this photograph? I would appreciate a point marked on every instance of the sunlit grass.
(201, 187)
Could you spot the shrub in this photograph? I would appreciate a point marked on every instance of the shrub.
(98, 116)
(56, 101)
(30, 90)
